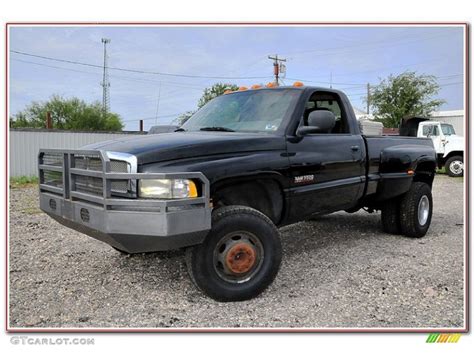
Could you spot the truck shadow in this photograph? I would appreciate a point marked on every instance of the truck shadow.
(314, 252)
(323, 232)
(330, 230)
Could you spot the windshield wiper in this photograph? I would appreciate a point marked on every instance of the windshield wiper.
(218, 129)
(180, 129)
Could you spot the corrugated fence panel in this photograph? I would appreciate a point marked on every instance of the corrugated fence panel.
(25, 144)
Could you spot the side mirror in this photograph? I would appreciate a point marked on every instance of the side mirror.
(318, 122)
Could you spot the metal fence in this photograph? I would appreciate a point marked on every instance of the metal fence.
(26, 143)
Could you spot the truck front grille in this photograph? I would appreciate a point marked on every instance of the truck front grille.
(93, 185)
(87, 174)
(87, 162)
(120, 186)
(119, 166)
(88, 185)
(54, 159)
(53, 178)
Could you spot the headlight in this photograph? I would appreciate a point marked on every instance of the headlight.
(167, 188)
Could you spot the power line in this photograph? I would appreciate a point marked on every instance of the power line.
(382, 43)
(200, 88)
(152, 118)
(379, 69)
(326, 82)
(360, 85)
(139, 71)
(196, 87)
(126, 78)
(449, 84)
(120, 77)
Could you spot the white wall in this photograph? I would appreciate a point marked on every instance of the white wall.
(25, 144)
(456, 118)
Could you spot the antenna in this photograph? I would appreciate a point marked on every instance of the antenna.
(105, 81)
(158, 103)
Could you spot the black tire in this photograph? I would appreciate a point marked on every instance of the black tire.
(391, 216)
(409, 210)
(212, 277)
(452, 163)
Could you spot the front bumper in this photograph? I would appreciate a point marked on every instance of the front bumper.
(130, 224)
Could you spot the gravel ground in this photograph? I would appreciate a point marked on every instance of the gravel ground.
(337, 271)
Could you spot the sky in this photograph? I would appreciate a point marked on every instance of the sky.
(180, 61)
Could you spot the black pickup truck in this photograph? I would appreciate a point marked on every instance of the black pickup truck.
(245, 164)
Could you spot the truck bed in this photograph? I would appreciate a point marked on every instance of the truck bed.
(387, 156)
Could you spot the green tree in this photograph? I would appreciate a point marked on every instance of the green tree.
(73, 114)
(215, 90)
(184, 117)
(405, 95)
(210, 93)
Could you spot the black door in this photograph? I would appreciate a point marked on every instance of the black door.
(327, 170)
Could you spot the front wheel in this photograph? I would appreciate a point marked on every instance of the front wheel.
(240, 256)
(455, 166)
(416, 209)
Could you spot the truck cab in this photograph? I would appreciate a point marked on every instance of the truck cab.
(448, 145)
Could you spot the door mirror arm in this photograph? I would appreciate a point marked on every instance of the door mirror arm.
(306, 130)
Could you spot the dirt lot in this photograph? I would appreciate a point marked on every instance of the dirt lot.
(338, 271)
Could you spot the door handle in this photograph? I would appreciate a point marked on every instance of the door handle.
(355, 148)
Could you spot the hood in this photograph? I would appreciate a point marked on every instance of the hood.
(178, 145)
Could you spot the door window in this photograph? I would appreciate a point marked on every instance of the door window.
(328, 102)
(430, 130)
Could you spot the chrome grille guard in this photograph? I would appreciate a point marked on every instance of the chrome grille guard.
(60, 163)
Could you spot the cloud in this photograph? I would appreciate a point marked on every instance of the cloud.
(352, 54)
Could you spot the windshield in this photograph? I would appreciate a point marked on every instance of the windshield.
(246, 111)
(447, 129)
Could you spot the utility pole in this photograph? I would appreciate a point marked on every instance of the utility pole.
(105, 81)
(368, 98)
(49, 121)
(276, 67)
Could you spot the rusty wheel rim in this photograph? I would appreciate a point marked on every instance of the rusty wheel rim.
(238, 257)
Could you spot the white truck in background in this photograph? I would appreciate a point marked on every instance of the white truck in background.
(448, 145)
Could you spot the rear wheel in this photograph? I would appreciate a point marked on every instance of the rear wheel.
(454, 166)
(239, 258)
(416, 209)
(391, 216)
